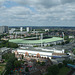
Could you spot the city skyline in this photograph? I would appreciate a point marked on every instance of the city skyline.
(37, 13)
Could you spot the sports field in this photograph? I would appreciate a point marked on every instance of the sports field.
(36, 41)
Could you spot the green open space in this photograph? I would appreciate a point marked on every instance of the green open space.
(36, 41)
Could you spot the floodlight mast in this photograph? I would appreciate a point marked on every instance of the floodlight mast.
(21, 29)
(41, 39)
(16, 34)
(63, 36)
(36, 35)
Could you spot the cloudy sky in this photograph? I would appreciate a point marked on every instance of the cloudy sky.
(37, 12)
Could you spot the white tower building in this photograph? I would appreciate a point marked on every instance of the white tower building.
(21, 29)
(28, 29)
(63, 35)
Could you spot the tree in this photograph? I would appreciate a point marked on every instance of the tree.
(11, 45)
(74, 52)
(38, 62)
(26, 69)
(49, 73)
(22, 56)
(65, 63)
(67, 41)
(9, 64)
(62, 43)
(7, 56)
(17, 64)
(8, 44)
(43, 64)
(53, 70)
(60, 65)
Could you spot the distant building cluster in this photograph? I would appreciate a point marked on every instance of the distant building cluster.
(20, 31)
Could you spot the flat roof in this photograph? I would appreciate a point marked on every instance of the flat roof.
(34, 49)
(39, 49)
(35, 41)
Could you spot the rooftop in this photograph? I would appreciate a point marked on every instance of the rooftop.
(39, 49)
(34, 49)
(4, 49)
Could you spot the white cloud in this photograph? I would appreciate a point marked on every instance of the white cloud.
(51, 12)
(43, 3)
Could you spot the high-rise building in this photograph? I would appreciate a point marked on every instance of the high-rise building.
(4, 29)
(28, 29)
(21, 29)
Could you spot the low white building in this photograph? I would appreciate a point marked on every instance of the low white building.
(71, 37)
(46, 30)
(38, 51)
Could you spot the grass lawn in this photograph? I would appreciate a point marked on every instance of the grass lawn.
(63, 71)
(2, 67)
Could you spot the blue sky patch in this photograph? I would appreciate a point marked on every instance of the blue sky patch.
(9, 4)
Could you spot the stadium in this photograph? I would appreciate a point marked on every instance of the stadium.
(43, 42)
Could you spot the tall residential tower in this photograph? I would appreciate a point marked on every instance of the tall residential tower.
(4, 29)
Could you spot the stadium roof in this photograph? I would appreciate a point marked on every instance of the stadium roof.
(33, 49)
(36, 41)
